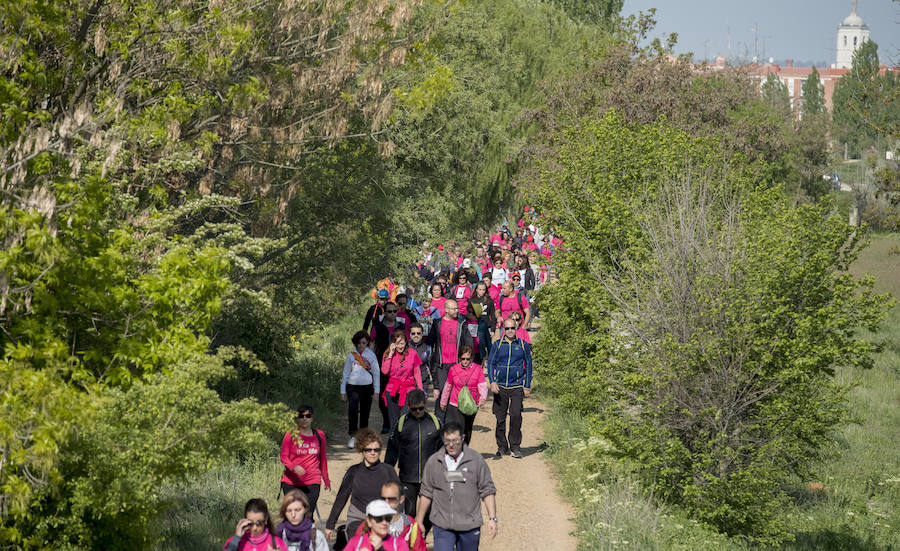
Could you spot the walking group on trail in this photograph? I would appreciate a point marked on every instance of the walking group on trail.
(464, 336)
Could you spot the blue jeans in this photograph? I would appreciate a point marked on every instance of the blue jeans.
(450, 540)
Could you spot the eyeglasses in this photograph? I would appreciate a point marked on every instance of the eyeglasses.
(452, 441)
(372, 450)
(419, 408)
(384, 518)
(304, 416)
(256, 522)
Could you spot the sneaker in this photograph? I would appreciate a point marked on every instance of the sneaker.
(352, 442)
(517, 454)
(498, 455)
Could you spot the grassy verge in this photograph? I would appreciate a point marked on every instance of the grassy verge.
(204, 510)
(856, 506)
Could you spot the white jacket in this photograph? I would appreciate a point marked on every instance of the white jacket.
(355, 374)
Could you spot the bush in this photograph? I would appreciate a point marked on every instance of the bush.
(716, 316)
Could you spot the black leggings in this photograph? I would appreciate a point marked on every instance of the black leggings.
(467, 421)
(311, 491)
(359, 402)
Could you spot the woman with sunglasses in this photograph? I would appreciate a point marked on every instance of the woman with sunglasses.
(465, 374)
(304, 458)
(376, 533)
(361, 484)
(403, 370)
(297, 529)
(255, 532)
(462, 292)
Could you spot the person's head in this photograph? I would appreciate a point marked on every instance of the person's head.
(519, 232)
(419, 263)
(479, 251)
(452, 434)
(451, 309)
(508, 288)
(437, 290)
(516, 278)
(481, 289)
(304, 416)
(487, 277)
(295, 507)
(360, 340)
(509, 329)
(516, 317)
(401, 301)
(520, 261)
(416, 333)
(390, 313)
(368, 443)
(398, 337)
(382, 297)
(391, 494)
(462, 278)
(257, 512)
(466, 355)
(379, 515)
(415, 400)
(498, 259)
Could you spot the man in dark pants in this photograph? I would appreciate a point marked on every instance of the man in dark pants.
(509, 371)
(447, 337)
(413, 439)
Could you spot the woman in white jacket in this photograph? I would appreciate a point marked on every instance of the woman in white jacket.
(359, 383)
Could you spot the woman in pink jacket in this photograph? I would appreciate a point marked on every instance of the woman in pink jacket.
(255, 532)
(468, 374)
(402, 367)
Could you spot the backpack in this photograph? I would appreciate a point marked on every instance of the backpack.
(437, 424)
(465, 403)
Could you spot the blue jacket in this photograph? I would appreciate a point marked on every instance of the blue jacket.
(509, 364)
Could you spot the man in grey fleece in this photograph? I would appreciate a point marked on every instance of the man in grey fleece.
(455, 481)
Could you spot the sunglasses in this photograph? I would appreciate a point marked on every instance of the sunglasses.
(420, 408)
(390, 498)
(304, 416)
(385, 518)
(509, 327)
(390, 311)
(465, 359)
(256, 523)
(415, 333)
(372, 450)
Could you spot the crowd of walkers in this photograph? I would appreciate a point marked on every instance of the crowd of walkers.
(457, 330)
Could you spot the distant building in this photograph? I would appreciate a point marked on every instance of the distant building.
(851, 34)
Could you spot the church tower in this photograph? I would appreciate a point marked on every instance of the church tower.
(850, 36)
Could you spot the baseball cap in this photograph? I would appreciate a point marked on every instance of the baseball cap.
(383, 293)
(378, 508)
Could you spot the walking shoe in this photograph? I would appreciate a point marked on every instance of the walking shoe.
(352, 443)
(517, 454)
(498, 455)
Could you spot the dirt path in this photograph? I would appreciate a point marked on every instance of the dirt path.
(532, 515)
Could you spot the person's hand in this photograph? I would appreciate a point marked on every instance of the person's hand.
(527, 392)
(343, 397)
(492, 528)
(328, 487)
(495, 388)
(299, 470)
(392, 347)
(242, 526)
(443, 407)
(375, 539)
(329, 534)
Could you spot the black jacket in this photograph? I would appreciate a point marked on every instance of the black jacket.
(412, 442)
(528, 279)
(434, 339)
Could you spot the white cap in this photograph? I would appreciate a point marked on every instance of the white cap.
(379, 508)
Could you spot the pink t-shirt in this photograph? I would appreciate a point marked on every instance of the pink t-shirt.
(306, 454)
(462, 294)
(449, 353)
(439, 304)
(403, 373)
(508, 305)
(494, 291)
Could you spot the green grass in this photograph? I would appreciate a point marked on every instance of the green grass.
(858, 508)
(204, 511)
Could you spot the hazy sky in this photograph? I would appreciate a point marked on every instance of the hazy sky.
(803, 30)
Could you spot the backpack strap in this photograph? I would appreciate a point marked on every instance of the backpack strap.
(437, 424)
(519, 300)
(400, 423)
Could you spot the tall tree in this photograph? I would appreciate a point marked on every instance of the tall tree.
(775, 94)
(856, 103)
(813, 94)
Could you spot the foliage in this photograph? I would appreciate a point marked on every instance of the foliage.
(591, 11)
(813, 94)
(718, 315)
(775, 94)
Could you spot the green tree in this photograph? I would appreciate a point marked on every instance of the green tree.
(591, 11)
(813, 94)
(855, 115)
(702, 316)
(775, 94)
